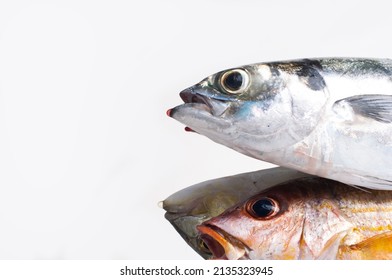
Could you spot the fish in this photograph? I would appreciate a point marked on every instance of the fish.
(305, 218)
(329, 117)
(189, 207)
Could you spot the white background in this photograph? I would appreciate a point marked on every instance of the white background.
(86, 150)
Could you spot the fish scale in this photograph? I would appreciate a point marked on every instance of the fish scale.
(370, 213)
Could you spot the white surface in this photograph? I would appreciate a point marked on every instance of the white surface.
(191, 269)
(86, 150)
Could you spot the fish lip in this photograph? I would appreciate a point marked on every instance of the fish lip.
(190, 96)
(217, 250)
(223, 246)
(200, 99)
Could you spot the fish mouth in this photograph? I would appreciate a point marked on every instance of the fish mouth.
(189, 96)
(202, 112)
(222, 245)
(201, 102)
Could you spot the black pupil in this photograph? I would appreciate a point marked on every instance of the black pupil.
(233, 81)
(263, 207)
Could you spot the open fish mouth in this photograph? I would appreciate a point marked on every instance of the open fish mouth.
(202, 102)
(222, 245)
(202, 112)
(190, 97)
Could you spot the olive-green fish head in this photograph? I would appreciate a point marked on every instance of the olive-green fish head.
(188, 208)
(259, 107)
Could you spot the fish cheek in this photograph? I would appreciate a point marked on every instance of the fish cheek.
(276, 238)
(262, 117)
(264, 108)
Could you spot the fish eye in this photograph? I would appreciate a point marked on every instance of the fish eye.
(263, 208)
(234, 81)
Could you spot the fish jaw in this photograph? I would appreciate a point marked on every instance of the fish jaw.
(221, 244)
(224, 246)
(185, 225)
(199, 118)
(202, 99)
(202, 113)
(224, 131)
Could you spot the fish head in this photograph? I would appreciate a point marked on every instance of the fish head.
(291, 221)
(255, 228)
(191, 206)
(258, 107)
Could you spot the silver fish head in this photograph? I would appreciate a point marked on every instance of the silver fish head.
(258, 107)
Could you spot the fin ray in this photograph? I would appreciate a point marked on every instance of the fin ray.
(374, 248)
(377, 107)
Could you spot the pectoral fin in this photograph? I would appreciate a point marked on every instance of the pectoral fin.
(378, 247)
(377, 107)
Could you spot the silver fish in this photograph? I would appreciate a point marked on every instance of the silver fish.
(189, 207)
(330, 117)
